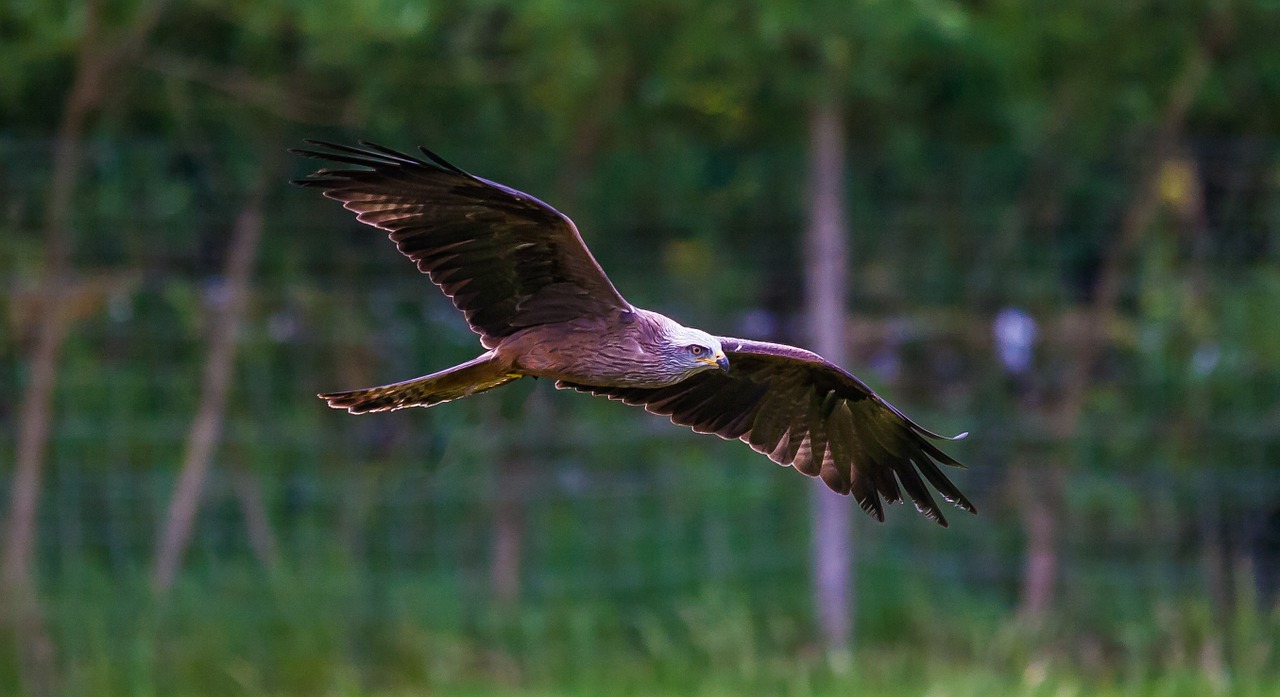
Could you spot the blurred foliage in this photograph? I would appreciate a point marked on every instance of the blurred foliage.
(995, 149)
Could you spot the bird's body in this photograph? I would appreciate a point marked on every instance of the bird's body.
(640, 354)
(518, 271)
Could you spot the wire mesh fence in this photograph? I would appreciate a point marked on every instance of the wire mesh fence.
(1169, 486)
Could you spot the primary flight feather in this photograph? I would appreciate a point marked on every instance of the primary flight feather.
(521, 275)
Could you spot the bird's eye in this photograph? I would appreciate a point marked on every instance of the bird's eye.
(697, 350)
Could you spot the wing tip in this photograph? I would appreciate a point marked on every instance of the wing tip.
(441, 162)
(963, 504)
(315, 154)
(873, 507)
(933, 434)
(372, 155)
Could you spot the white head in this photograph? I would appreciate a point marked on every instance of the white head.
(693, 351)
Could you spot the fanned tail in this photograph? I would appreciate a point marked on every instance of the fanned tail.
(477, 375)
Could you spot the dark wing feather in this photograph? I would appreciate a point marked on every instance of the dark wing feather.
(802, 410)
(506, 259)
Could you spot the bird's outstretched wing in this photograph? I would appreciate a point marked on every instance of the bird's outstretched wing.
(804, 411)
(506, 259)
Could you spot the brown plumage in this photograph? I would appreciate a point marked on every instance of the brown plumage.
(524, 280)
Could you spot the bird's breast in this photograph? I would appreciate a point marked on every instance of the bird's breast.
(589, 353)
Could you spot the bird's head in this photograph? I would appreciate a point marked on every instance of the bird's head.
(693, 351)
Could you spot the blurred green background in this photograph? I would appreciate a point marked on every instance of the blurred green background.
(1063, 223)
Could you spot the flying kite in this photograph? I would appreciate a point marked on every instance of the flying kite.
(521, 275)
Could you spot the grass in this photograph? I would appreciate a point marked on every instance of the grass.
(344, 633)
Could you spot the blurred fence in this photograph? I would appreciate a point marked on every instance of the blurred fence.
(550, 497)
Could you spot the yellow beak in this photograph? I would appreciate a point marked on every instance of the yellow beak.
(719, 360)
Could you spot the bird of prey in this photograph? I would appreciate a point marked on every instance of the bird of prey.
(521, 275)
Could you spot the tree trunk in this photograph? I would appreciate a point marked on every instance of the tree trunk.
(20, 606)
(508, 527)
(1042, 506)
(517, 461)
(206, 427)
(256, 521)
(20, 610)
(826, 252)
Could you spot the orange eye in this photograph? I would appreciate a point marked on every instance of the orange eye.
(696, 350)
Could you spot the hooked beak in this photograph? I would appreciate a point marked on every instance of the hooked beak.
(719, 360)
(723, 362)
